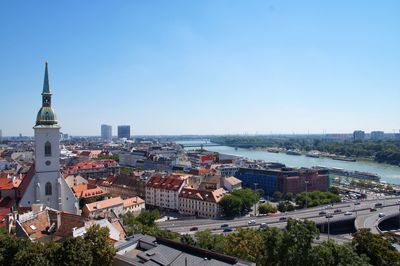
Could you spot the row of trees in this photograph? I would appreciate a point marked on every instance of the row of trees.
(383, 151)
(316, 198)
(92, 249)
(239, 202)
(294, 246)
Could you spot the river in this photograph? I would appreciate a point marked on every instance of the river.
(388, 173)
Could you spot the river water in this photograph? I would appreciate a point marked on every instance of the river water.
(388, 173)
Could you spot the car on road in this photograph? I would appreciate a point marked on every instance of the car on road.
(337, 211)
(263, 225)
(329, 215)
(322, 213)
(262, 200)
(328, 207)
(357, 203)
(381, 215)
(224, 225)
(372, 210)
(227, 229)
(194, 228)
(251, 222)
(284, 218)
(378, 205)
(348, 213)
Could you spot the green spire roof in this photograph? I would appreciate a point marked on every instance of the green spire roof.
(46, 83)
(46, 116)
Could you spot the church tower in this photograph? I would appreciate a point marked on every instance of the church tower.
(48, 186)
(47, 133)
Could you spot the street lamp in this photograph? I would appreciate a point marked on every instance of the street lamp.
(328, 226)
(255, 205)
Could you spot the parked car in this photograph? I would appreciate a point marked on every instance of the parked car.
(194, 228)
(224, 225)
(381, 215)
(348, 213)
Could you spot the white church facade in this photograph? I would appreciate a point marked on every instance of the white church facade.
(48, 186)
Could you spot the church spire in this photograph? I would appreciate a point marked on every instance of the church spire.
(46, 83)
(46, 115)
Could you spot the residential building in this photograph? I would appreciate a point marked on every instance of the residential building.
(202, 159)
(231, 183)
(47, 186)
(93, 168)
(113, 207)
(86, 191)
(147, 250)
(377, 135)
(106, 132)
(201, 203)
(358, 135)
(124, 132)
(134, 205)
(163, 191)
(105, 208)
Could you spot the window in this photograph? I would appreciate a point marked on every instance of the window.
(48, 188)
(47, 149)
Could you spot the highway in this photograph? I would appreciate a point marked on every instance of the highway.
(364, 218)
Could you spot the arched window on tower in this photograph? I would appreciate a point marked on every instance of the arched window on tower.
(48, 189)
(47, 149)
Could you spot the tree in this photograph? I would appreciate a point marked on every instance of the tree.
(285, 206)
(289, 196)
(102, 249)
(75, 251)
(148, 217)
(334, 190)
(297, 241)
(247, 198)
(230, 205)
(377, 248)
(33, 254)
(188, 240)
(273, 241)
(9, 247)
(205, 239)
(331, 254)
(277, 196)
(266, 208)
(245, 243)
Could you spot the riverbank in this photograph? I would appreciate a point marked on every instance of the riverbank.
(388, 173)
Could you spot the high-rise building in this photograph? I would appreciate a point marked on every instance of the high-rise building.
(106, 132)
(47, 185)
(358, 135)
(124, 132)
(377, 135)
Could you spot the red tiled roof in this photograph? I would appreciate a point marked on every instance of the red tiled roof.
(86, 191)
(94, 164)
(103, 204)
(8, 183)
(168, 182)
(132, 201)
(34, 227)
(203, 195)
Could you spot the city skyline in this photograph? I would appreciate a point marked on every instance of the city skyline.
(203, 68)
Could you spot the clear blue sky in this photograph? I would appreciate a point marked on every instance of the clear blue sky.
(200, 67)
